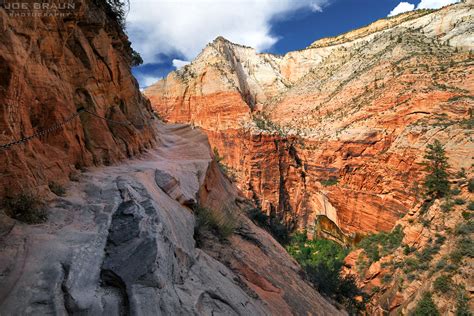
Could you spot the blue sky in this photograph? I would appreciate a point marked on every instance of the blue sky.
(168, 33)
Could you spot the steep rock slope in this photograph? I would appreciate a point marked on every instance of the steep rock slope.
(337, 129)
(121, 243)
(52, 66)
(435, 255)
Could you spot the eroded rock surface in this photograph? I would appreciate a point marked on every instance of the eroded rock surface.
(52, 66)
(121, 242)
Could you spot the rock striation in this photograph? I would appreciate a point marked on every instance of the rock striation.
(121, 242)
(337, 129)
(52, 66)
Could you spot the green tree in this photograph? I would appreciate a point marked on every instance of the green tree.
(118, 9)
(322, 261)
(137, 60)
(436, 164)
(426, 306)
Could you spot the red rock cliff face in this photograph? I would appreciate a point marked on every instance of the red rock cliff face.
(338, 129)
(52, 66)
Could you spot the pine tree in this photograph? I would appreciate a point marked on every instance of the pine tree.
(436, 164)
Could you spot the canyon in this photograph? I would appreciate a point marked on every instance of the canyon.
(338, 129)
(146, 198)
(331, 140)
(99, 200)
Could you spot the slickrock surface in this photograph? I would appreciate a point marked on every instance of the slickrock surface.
(49, 68)
(121, 242)
(339, 128)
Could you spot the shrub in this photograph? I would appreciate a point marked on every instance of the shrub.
(455, 191)
(425, 222)
(222, 224)
(271, 224)
(451, 268)
(381, 244)
(136, 59)
(387, 278)
(342, 289)
(470, 206)
(440, 240)
(279, 230)
(467, 215)
(447, 206)
(217, 157)
(375, 289)
(455, 256)
(465, 228)
(459, 201)
(26, 207)
(264, 123)
(442, 284)
(436, 163)
(361, 264)
(461, 173)
(426, 206)
(224, 169)
(330, 181)
(462, 304)
(410, 265)
(256, 215)
(441, 264)
(56, 188)
(470, 185)
(407, 249)
(426, 306)
(465, 246)
(426, 255)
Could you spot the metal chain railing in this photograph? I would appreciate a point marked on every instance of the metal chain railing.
(58, 126)
(108, 120)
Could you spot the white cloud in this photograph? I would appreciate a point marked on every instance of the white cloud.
(401, 8)
(177, 63)
(424, 4)
(186, 26)
(434, 4)
(146, 80)
(315, 7)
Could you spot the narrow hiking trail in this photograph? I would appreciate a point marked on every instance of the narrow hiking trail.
(121, 242)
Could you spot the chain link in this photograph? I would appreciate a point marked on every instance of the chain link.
(58, 126)
(108, 120)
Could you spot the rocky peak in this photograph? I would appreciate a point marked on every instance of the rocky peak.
(314, 132)
(374, 27)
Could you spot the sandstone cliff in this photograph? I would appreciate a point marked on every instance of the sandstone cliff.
(337, 129)
(52, 66)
